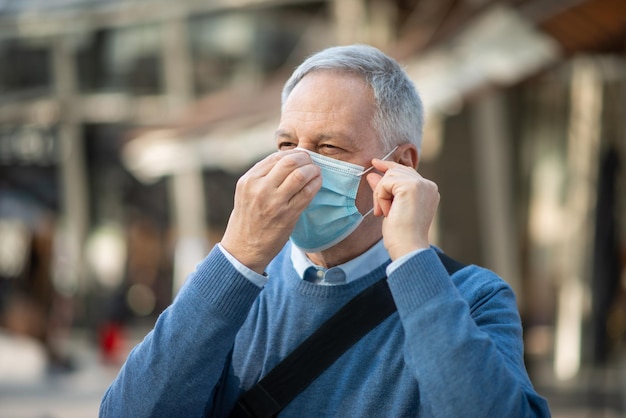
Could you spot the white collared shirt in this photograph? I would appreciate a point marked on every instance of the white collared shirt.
(355, 268)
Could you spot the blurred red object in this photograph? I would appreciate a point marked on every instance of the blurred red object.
(111, 340)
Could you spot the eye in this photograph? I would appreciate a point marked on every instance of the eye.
(329, 149)
(285, 145)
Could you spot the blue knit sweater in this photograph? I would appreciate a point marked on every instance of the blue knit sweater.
(453, 349)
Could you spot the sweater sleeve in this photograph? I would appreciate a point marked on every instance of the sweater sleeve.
(463, 341)
(175, 370)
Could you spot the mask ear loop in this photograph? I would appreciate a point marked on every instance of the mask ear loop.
(372, 167)
(384, 158)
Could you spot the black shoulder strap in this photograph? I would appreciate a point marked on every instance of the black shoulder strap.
(320, 350)
(451, 265)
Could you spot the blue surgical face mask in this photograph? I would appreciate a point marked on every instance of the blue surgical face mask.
(332, 215)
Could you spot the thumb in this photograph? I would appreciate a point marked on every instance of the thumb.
(373, 179)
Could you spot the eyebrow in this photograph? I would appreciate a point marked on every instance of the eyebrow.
(281, 133)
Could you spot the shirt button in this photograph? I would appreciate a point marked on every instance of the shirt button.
(335, 275)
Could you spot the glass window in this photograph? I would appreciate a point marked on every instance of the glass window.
(126, 59)
(25, 68)
(243, 45)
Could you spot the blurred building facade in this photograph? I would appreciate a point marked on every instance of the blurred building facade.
(78, 77)
(124, 126)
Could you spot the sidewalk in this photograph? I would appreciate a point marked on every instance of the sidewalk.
(73, 394)
(596, 392)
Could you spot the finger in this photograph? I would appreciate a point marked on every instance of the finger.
(382, 165)
(299, 179)
(295, 164)
(384, 204)
(303, 197)
(383, 196)
(394, 175)
(373, 179)
(263, 167)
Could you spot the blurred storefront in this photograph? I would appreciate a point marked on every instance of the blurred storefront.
(124, 126)
(85, 242)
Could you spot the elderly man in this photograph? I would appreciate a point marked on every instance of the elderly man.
(338, 208)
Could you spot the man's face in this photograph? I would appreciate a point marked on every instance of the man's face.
(331, 113)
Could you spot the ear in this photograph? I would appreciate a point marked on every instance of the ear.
(408, 155)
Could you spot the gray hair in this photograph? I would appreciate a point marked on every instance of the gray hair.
(399, 117)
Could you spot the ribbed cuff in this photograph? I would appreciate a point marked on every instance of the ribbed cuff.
(226, 289)
(418, 280)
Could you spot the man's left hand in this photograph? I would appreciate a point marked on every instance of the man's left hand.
(408, 202)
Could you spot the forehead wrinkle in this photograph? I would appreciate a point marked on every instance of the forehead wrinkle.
(312, 116)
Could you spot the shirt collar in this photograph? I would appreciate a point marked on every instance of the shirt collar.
(355, 268)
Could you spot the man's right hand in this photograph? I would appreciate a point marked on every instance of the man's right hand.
(269, 198)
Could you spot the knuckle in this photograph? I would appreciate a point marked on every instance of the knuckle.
(243, 182)
(289, 162)
(311, 189)
(298, 176)
(274, 157)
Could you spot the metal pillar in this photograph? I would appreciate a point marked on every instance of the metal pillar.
(576, 247)
(493, 163)
(186, 190)
(71, 277)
